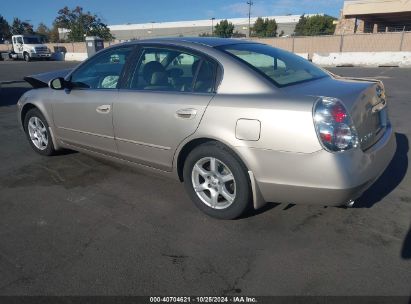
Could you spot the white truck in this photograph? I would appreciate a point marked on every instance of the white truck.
(28, 47)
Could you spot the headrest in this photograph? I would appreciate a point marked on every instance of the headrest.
(150, 68)
(159, 79)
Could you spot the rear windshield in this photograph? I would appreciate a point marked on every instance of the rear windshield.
(281, 67)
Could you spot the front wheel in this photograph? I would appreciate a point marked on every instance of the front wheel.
(38, 133)
(27, 57)
(217, 181)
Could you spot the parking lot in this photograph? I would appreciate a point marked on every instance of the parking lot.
(76, 225)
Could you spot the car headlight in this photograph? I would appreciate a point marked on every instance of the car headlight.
(33, 50)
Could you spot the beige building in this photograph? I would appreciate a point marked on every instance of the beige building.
(374, 16)
(122, 32)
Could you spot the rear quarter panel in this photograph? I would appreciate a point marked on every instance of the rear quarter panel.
(286, 122)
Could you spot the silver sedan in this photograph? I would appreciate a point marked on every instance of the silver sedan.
(240, 123)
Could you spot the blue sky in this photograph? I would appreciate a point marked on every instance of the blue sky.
(141, 11)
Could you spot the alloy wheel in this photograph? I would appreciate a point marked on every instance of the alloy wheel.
(214, 183)
(38, 133)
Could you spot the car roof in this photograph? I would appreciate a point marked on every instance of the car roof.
(207, 41)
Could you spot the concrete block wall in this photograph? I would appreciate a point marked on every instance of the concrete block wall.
(330, 50)
(381, 42)
(365, 59)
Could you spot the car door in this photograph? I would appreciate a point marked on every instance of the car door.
(162, 103)
(18, 45)
(83, 115)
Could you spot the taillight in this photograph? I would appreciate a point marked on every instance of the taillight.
(334, 126)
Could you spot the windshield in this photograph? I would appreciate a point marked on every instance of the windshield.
(31, 40)
(281, 67)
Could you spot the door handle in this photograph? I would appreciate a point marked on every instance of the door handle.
(186, 113)
(103, 109)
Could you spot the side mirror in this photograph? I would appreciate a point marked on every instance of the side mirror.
(57, 83)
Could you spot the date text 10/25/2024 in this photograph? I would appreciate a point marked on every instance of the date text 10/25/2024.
(234, 299)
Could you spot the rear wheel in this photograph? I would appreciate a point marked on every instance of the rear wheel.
(217, 181)
(38, 133)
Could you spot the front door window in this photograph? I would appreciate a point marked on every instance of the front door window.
(103, 71)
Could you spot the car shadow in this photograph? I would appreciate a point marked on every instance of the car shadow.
(10, 95)
(406, 247)
(252, 212)
(390, 179)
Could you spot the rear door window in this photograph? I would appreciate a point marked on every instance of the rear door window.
(205, 79)
(161, 69)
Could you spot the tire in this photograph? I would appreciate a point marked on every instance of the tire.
(27, 57)
(228, 183)
(38, 133)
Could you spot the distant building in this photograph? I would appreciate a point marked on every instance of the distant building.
(286, 25)
(374, 16)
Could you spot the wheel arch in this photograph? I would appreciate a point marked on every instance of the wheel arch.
(192, 144)
(258, 200)
(26, 108)
(29, 106)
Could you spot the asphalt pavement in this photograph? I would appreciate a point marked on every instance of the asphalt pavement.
(76, 225)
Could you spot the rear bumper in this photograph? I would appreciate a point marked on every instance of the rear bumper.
(322, 177)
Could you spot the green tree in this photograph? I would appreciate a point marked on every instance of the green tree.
(224, 29)
(315, 25)
(4, 29)
(265, 28)
(43, 31)
(81, 24)
(300, 27)
(271, 28)
(259, 27)
(19, 27)
(54, 35)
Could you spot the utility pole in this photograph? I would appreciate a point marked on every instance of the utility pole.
(212, 26)
(152, 27)
(250, 4)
